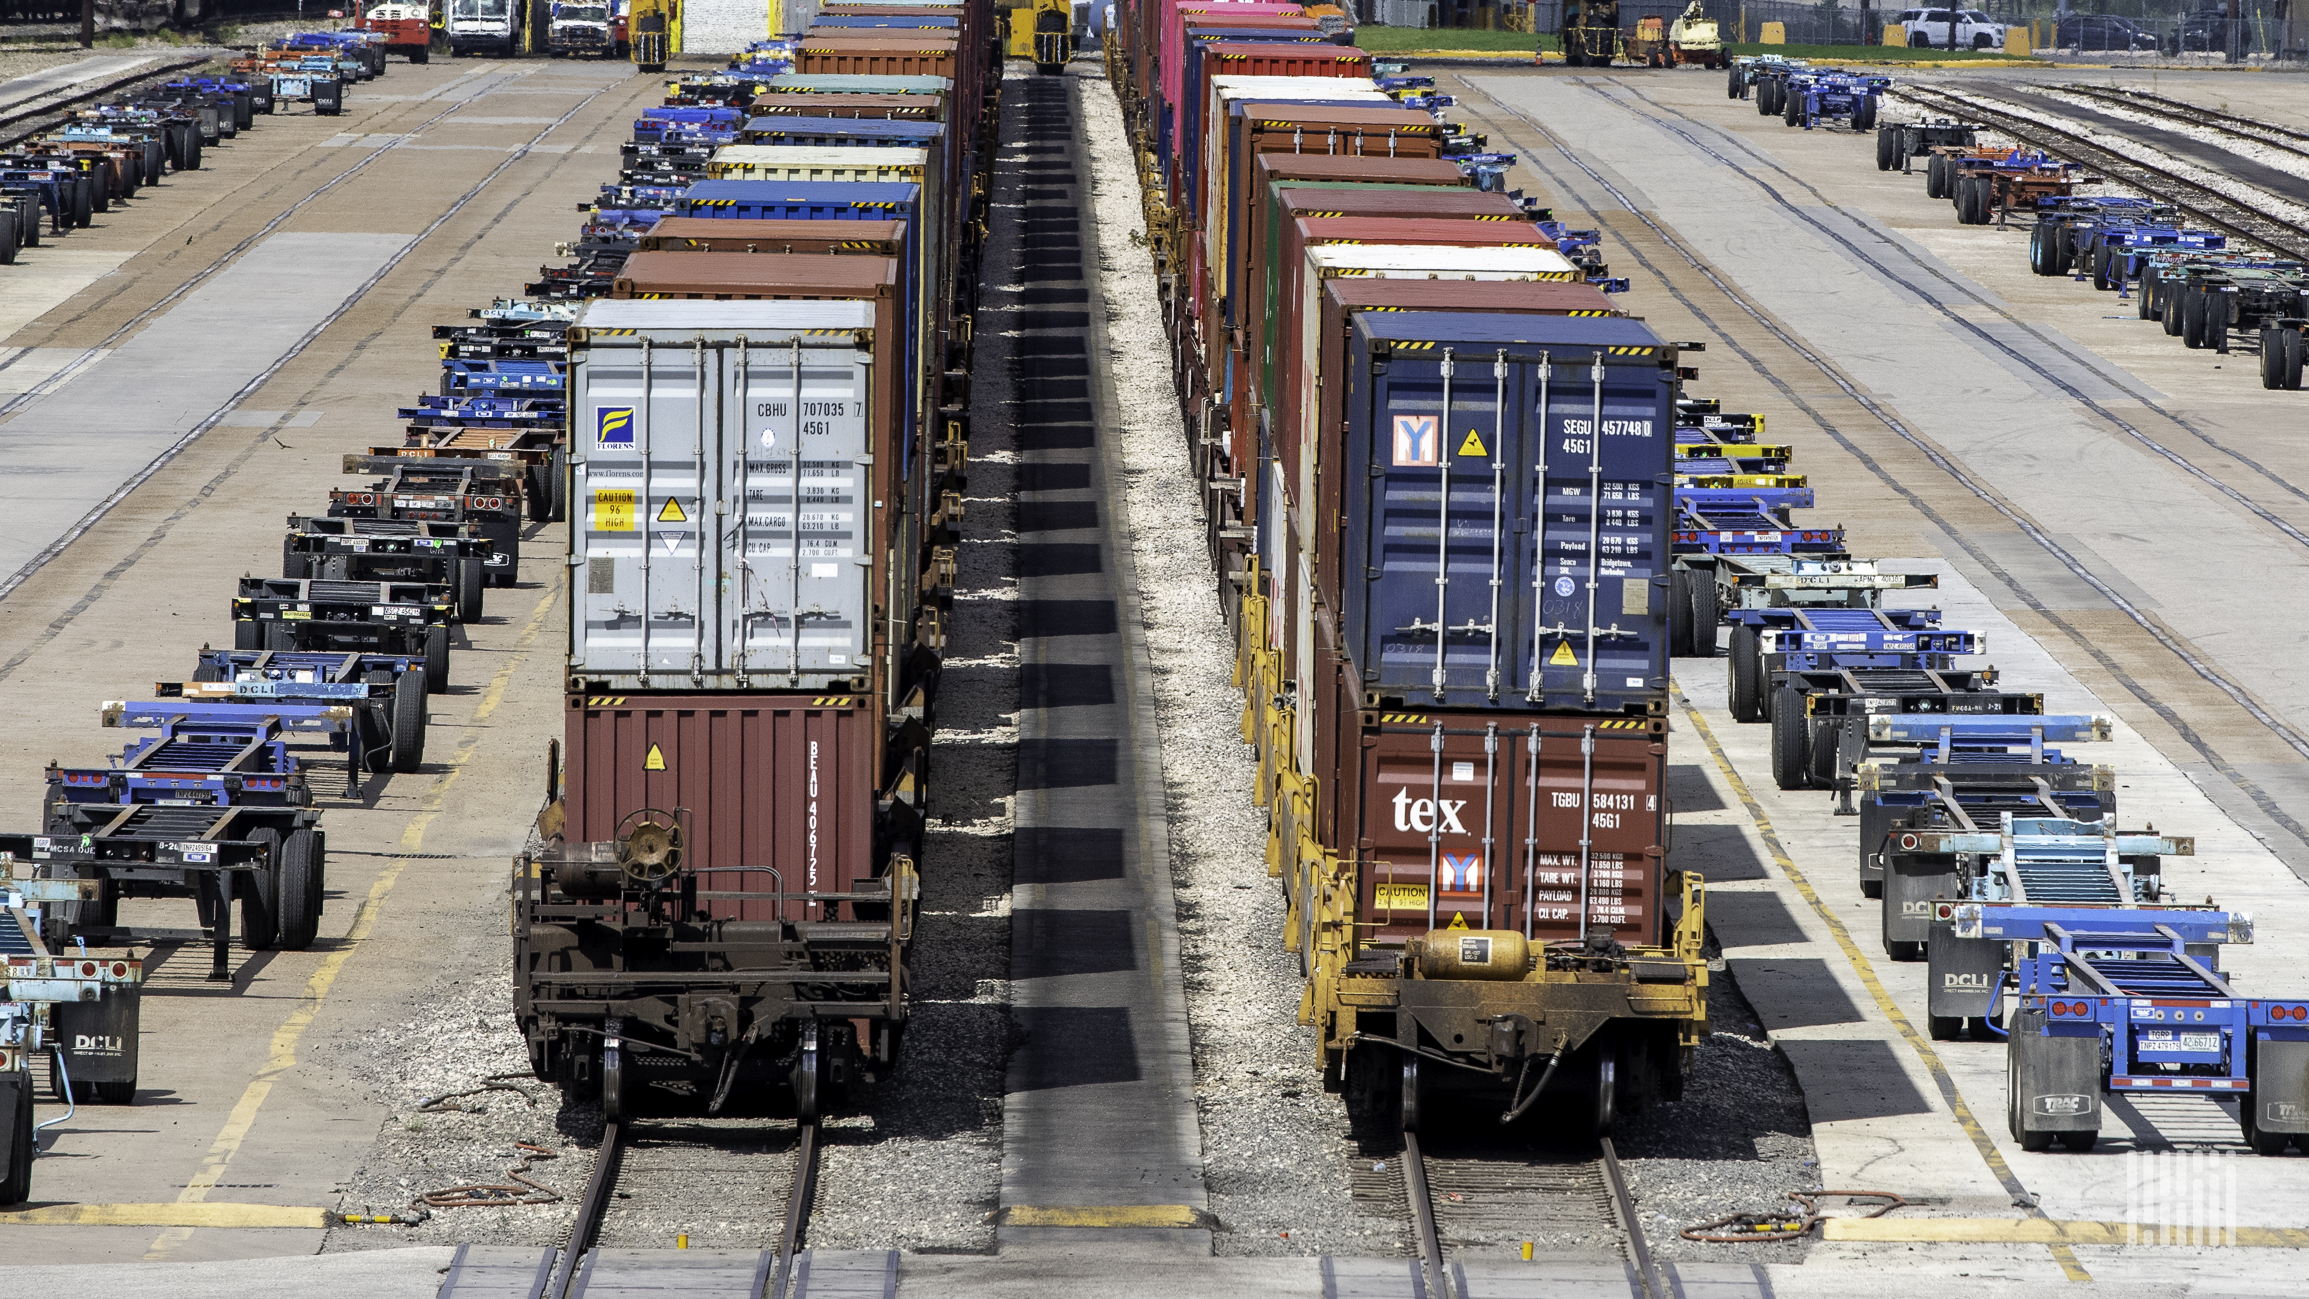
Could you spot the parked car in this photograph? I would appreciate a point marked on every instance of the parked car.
(2202, 30)
(2099, 33)
(1952, 29)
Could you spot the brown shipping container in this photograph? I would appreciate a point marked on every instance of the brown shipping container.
(707, 235)
(1299, 130)
(901, 108)
(786, 782)
(820, 55)
(1508, 824)
(1409, 213)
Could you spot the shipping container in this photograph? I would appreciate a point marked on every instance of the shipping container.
(724, 521)
(792, 83)
(1201, 34)
(835, 165)
(910, 56)
(770, 782)
(1508, 545)
(1503, 821)
(1190, 183)
(1168, 85)
(910, 108)
(1254, 250)
(1259, 126)
(844, 133)
(705, 235)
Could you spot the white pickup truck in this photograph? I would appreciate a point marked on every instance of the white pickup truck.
(580, 29)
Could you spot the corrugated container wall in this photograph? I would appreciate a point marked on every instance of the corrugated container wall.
(782, 783)
(1508, 546)
(724, 531)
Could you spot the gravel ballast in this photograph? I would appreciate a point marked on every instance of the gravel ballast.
(1280, 1162)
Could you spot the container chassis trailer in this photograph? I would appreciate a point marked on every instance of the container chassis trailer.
(81, 1012)
(315, 615)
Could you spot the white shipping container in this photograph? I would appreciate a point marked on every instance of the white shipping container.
(724, 531)
(1228, 91)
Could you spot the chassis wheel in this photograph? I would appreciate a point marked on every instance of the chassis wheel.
(437, 660)
(408, 722)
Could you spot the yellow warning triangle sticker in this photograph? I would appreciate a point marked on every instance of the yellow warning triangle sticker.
(655, 761)
(1563, 657)
(1458, 920)
(1473, 446)
(672, 512)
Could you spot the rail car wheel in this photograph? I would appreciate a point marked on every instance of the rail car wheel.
(1607, 1086)
(1413, 1084)
(808, 1074)
(16, 1181)
(616, 1096)
(261, 895)
(1746, 669)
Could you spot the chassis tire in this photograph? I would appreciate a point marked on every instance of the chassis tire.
(260, 896)
(437, 660)
(208, 671)
(1679, 614)
(535, 500)
(1790, 740)
(1820, 761)
(1947, 1028)
(2290, 336)
(294, 564)
(120, 1091)
(1732, 86)
(1936, 176)
(1746, 670)
(470, 582)
(16, 1186)
(1791, 109)
(2193, 319)
(2169, 307)
(1864, 116)
(280, 636)
(2264, 1143)
(1887, 148)
(248, 634)
(409, 720)
(2272, 358)
(557, 484)
(1704, 615)
(2145, 297)
(2101, 261)
(298, 900)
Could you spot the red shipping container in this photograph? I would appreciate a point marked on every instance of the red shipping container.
(1486, 833)
(783, 782)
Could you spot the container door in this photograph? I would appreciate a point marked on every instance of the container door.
(1437, 517)
(801, 555)
(650, 423)
(1600, 641)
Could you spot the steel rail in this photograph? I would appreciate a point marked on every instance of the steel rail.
(590, 1209)
(798, 1200)
(2225, 212)
(1423, 1218)
(41, 111)
(1623, 1207)
(2212, 119)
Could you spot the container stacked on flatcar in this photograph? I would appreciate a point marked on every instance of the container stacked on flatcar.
(1440, 500)
(768, 434)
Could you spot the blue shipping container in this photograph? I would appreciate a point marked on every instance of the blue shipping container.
(1475, 429)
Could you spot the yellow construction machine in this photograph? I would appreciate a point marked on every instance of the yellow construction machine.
(649, 33)
(1045, 34)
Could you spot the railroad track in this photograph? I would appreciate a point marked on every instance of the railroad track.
(1474, 1194)
(2231, 213)
(21, 123)
(2243, 128)
(640, 1167)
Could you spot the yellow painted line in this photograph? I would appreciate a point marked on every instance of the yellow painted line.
(2050, 1231)
(1861, 966)
(282, 1056)
(181, 1215)
(1107, 1215)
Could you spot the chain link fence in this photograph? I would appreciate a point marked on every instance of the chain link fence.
(2117, 30)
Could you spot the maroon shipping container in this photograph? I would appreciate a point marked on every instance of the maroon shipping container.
(1252, 269)
(823, 53)
(1506, 823)
(1257, 330)
(902, 108)
(782, 782)
(707, 235)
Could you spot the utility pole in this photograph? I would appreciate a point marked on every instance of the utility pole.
(2232, 46)
(87, 24)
